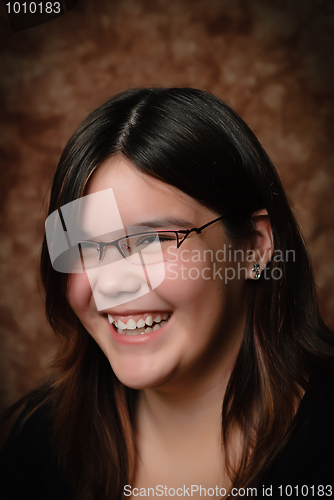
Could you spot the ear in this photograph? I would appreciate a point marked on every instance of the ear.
(261, 244)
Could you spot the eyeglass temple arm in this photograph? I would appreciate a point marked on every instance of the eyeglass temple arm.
(196, 230)
(200, 229)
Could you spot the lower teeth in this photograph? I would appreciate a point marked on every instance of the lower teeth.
(141, 331)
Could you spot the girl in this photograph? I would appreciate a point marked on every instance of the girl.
(193, 360)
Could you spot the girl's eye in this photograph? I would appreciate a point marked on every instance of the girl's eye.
(146, 240)
(89, 245)
(168, 237)
(89, 248)
(154, 238)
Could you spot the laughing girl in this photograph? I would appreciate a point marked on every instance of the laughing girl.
(193, 357)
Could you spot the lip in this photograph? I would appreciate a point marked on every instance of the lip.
(125, 316)
(134, 312)
(137, 339)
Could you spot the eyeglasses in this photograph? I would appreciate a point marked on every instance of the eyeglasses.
(146, 247)
(138, 244)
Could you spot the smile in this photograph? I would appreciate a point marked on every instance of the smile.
(146, 323)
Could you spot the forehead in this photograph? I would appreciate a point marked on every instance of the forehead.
(140, 196)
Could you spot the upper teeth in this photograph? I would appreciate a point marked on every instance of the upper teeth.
(132, 324)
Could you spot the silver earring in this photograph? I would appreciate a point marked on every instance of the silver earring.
(256, 270)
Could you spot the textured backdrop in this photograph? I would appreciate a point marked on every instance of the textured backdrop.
(271, 60)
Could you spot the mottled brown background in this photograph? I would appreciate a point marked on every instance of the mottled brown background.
(271, 60)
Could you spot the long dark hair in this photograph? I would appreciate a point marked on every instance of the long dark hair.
(191, 140)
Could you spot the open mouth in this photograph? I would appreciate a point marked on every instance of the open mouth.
(145, 324)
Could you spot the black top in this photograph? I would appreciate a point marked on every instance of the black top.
(28, 463)
(304, 469)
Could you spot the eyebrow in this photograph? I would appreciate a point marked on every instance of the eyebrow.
(165, 222)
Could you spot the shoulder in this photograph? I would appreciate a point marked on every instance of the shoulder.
(307, 459)
(28, 460)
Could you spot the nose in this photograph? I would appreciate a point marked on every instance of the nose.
(117, 283)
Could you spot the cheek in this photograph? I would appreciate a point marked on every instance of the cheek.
(80, 292)
(82, 302)
(200, 282)
(187, 281)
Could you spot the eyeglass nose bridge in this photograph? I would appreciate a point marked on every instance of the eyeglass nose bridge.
(102, 248)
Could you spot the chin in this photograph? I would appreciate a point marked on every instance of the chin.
(138, 382)
(139, 378)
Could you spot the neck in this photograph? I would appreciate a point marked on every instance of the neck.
(179, 423)
(188, 407)
(179, 436)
